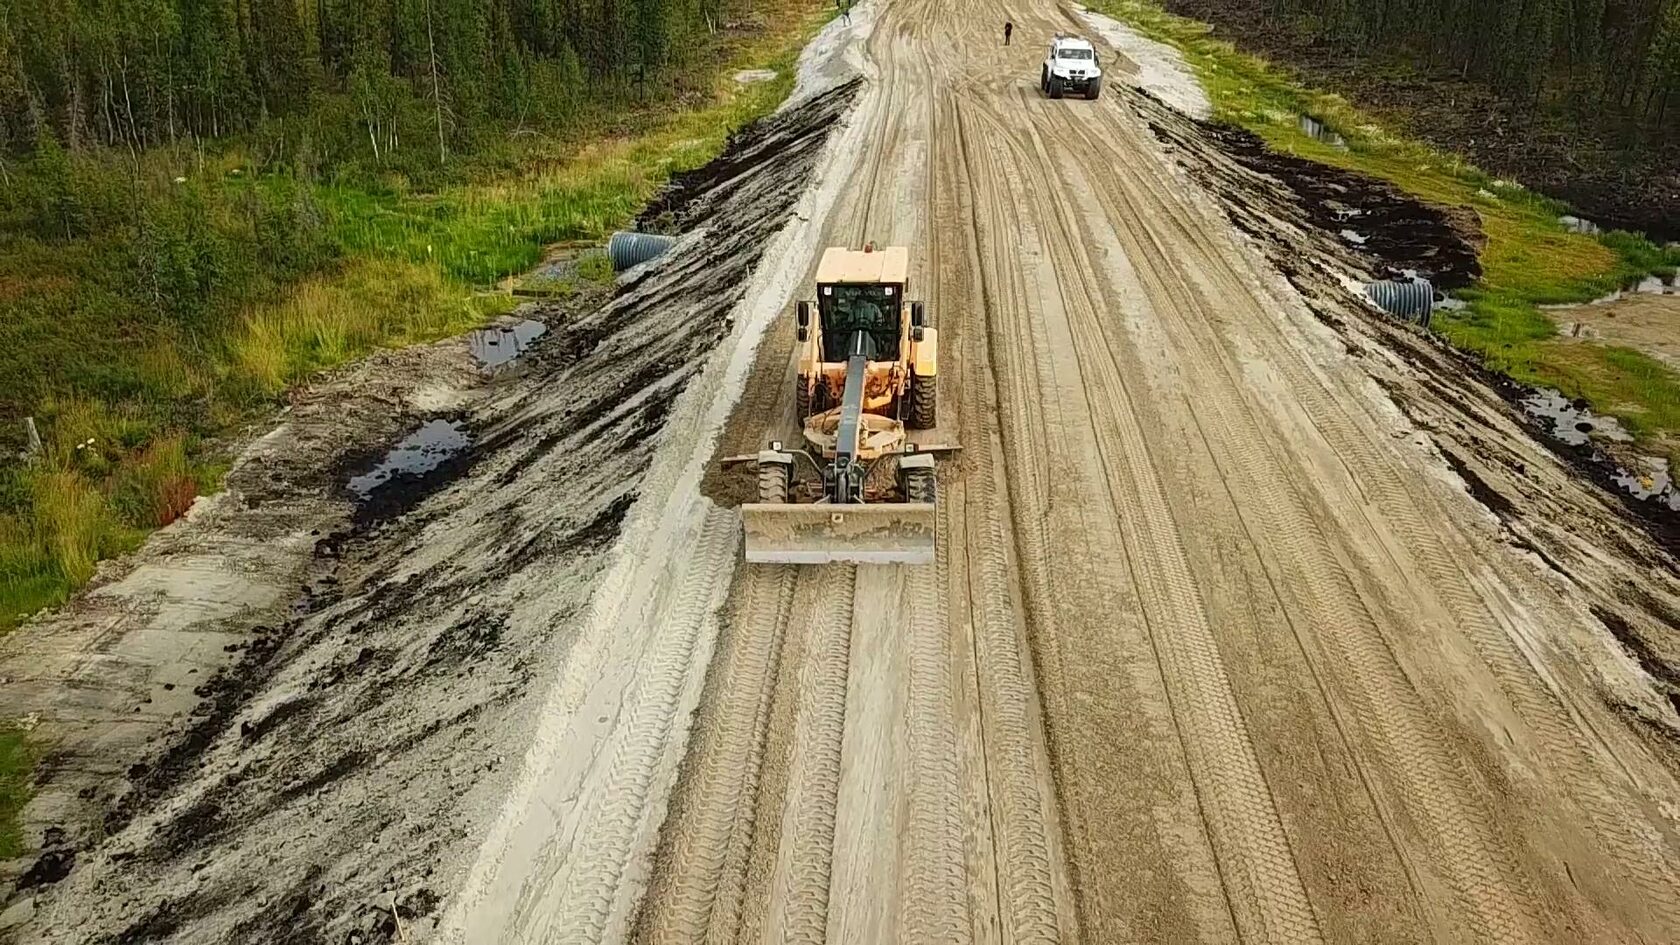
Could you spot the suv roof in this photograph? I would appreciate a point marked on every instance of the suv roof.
(1076, 41)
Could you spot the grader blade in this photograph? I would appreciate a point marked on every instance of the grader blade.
(878, 533)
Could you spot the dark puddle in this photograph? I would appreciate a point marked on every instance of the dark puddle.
(501, 344)
(419, 453)
(413, 469)
(1570, 422)
(1317, 130)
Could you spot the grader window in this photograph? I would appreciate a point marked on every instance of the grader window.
(870, 308)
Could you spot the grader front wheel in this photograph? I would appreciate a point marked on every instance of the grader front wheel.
(924, 403)
(773, 482)
(919, 486)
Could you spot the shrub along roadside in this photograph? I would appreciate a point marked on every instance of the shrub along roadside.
(147, 314)
(1530, 259)
(151, 305)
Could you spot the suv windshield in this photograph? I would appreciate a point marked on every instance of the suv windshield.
(1074, 54)
(848, 308)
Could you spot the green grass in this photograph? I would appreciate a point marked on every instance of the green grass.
(1529, 260)
(150, 309)
(17, 759)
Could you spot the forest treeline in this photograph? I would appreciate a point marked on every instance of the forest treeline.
(1620, 57)
(388, 80)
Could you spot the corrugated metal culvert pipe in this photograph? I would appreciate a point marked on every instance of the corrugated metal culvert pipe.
(632, 249)
(1411, 299)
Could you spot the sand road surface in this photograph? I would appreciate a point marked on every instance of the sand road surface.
(1216, 648)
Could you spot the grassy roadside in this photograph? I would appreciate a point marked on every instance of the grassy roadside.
(136, 399)
(1529, 260)
(17, 758)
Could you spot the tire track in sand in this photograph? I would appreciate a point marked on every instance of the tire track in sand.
(708, 855)
(1314, 579)
(799, 893)
(594, 893)
(1452, 602)
(934, 903)
(934, 906)
(1256, 862)
(1014, 734)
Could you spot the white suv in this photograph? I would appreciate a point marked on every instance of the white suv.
(1071, 66)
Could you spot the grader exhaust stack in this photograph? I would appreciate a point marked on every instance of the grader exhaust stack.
(857, 491)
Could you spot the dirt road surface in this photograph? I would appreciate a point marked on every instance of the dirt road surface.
(1216, 649)
(1256, 617)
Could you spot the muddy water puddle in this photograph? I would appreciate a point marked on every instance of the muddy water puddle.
(1571, 423)
(417, 455)
(1649, 285)
(500, 344)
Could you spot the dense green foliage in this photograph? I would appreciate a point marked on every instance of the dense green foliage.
(199, 209)
(399, 82)
(1598, 57)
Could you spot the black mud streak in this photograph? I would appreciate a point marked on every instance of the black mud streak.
(1400, 232)
(1495, 502)
(1660, 670)
(327, 773)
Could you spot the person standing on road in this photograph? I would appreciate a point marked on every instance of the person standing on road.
(1008, 28)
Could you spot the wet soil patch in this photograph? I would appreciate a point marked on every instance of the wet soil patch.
(1371, 216)
(51, 866)
(1583, 159)
(418, 465)
(223, 696)
(347, 753)
(1595, 447)
(1577, 437)
(1488, 496)
(1667, 677)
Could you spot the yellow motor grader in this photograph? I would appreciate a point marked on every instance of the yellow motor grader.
(857, 489)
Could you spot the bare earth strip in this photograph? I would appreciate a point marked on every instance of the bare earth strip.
(1222, 653)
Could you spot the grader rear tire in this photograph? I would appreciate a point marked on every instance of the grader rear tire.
(802, 398)
(924, 403)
